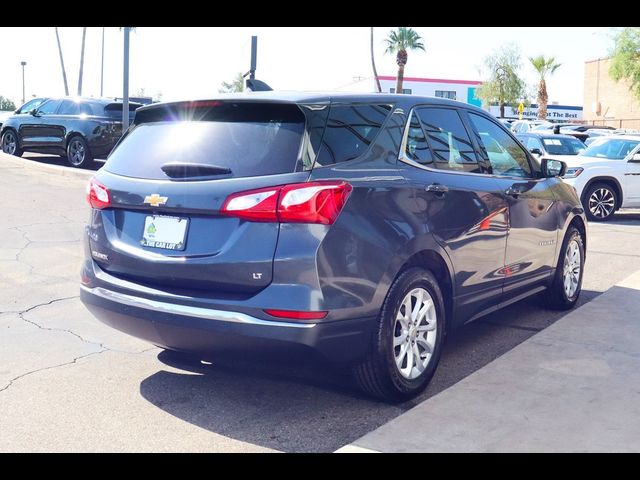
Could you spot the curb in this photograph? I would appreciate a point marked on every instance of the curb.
(52, 169)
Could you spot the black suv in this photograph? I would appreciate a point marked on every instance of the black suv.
(79, 128)
(364, 227)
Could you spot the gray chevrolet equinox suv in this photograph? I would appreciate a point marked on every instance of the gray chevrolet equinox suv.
(364, 227)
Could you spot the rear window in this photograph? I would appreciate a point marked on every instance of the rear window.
(113, 110)
(246, 138)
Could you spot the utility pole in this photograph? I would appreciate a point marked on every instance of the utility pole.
(102, 67)
(125, 82)
(23, 63)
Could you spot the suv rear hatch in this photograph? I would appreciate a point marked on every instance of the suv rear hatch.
(167, 182)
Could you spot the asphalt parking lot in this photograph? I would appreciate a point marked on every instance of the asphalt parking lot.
(68, 383)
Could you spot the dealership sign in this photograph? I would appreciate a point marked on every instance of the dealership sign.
(554, 112)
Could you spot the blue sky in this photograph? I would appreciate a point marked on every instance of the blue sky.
(192, 62)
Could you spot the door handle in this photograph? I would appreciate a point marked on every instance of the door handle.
(437, 188)
(513, 191)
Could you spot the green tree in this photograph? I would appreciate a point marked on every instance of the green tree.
(399, 42)
(236, 85)
(504, 85)
(544, 66)
(625, 58)
(6, 104)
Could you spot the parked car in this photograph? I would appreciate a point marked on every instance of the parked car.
(79, 129)
(607, 176)
(524, 126)
(30, 104)
(550, 145)
(363, 227)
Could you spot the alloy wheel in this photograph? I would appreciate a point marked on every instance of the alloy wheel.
(601, 203)
(9, 143)
(414, 333)
(571, 270)
(76, 152)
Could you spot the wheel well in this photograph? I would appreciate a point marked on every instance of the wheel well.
(70, 136)
(432, 261)
(609, 181)
(579, 224)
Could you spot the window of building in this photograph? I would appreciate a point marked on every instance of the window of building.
(450, 94)
(449, 141)
(349, 132)
(406, 91)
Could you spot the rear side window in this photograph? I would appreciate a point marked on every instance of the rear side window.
(417, 148)
(450, 144)
(349, 132)
(49, 107)
(243, 139)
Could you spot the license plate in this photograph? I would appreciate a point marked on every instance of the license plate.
(168, 233)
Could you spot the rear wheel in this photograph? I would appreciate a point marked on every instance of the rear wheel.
(10, 144)
(563, 293)
(600, 202)
(78, 153)
(406, 349)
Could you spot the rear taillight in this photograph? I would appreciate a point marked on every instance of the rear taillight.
(297, 314)
(312, 202)
(98, 195)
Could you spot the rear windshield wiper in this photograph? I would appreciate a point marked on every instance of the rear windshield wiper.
(185, 170)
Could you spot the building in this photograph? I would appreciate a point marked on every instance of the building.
(465, 91)
(607, 102)
(461, 90)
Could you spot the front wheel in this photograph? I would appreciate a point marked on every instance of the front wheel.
(600, 202)
(78, 153)
(563, 293)
(10, 144)
(406, 348)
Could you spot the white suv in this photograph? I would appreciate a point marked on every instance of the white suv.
(606, 175)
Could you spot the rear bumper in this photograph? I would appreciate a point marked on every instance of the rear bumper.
(206, 331)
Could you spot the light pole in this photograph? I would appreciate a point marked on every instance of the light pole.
(23, 63)
(102, 66)
(125, 82)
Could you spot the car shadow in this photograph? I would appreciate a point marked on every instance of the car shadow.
(56, 160)
(623, 217)
(302, 404)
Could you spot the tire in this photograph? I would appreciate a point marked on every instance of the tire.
(10, 144)
(600, 202)
(78, 153)
(379, 375)
(557, 295)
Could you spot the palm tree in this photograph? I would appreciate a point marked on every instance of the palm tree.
(398, 42)
(544, 67)
(64, 72)
(84, 36)
(373, 64)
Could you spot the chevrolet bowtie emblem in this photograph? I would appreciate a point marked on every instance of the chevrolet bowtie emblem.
(155, 200)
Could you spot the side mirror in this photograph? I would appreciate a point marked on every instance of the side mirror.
(553, 168)
(635, 158)
(536, 151)
(34, 112)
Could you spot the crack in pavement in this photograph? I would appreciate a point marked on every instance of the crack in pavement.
(13, 380)
(103, 347)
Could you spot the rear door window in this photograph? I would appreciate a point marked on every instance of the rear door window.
(245, 139)
(69, 107)
(349, 131)
(449, 141)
